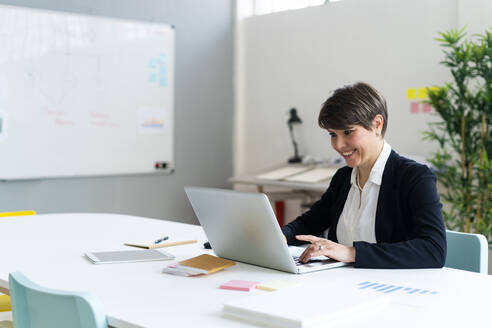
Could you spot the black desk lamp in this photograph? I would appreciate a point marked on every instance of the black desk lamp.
(294, 119)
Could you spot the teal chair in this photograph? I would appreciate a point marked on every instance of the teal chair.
(34, 306)
(467, 251)
(5, 299)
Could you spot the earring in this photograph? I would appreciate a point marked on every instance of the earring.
(378, 134)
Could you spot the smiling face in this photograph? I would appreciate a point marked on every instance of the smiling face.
(356, 118)
(357, 145)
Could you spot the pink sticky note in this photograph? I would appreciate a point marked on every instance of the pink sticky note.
(426, 108)
(414, 107)
(239, 285)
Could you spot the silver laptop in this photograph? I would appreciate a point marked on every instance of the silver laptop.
(242, 226)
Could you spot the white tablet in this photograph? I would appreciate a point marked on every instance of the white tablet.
(141, 255)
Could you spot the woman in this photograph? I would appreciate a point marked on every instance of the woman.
(382, 210)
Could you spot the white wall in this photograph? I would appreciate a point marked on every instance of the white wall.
(296, 58)
(475, 14)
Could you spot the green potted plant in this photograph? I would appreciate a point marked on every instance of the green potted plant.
(464, 105)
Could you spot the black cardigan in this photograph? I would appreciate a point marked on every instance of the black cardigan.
(409, 227)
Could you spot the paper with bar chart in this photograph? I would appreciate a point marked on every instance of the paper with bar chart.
(389, 288)
(400, 293)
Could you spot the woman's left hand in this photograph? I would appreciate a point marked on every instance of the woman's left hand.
(321, 246)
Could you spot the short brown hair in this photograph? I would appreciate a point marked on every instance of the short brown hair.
(356, 104)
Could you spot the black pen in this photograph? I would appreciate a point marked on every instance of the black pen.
(161, 240)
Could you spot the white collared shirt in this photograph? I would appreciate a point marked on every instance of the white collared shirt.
(358, 218)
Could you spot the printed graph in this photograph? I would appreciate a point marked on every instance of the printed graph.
(388, 288)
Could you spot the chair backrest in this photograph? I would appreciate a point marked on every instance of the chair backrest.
(34, 306)
(5, 299)
(467, 251)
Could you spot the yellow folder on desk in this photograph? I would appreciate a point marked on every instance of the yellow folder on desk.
(208, 263)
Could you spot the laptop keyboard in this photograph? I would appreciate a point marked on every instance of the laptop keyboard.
(312, 261)
(296, 252)
(296, 261)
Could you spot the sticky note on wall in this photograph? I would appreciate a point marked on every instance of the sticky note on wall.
(433, 89)
(411, 94)
(422, 93)
(426, 108)
(414, 107)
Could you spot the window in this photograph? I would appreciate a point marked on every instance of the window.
(261, 7)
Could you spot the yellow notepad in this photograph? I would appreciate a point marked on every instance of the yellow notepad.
(208, 263)
(277, 284)
(160, 245)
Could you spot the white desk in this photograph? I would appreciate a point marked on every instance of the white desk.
(49, 250)
(318, 188)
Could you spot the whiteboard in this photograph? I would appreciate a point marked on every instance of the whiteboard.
(83, 95)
